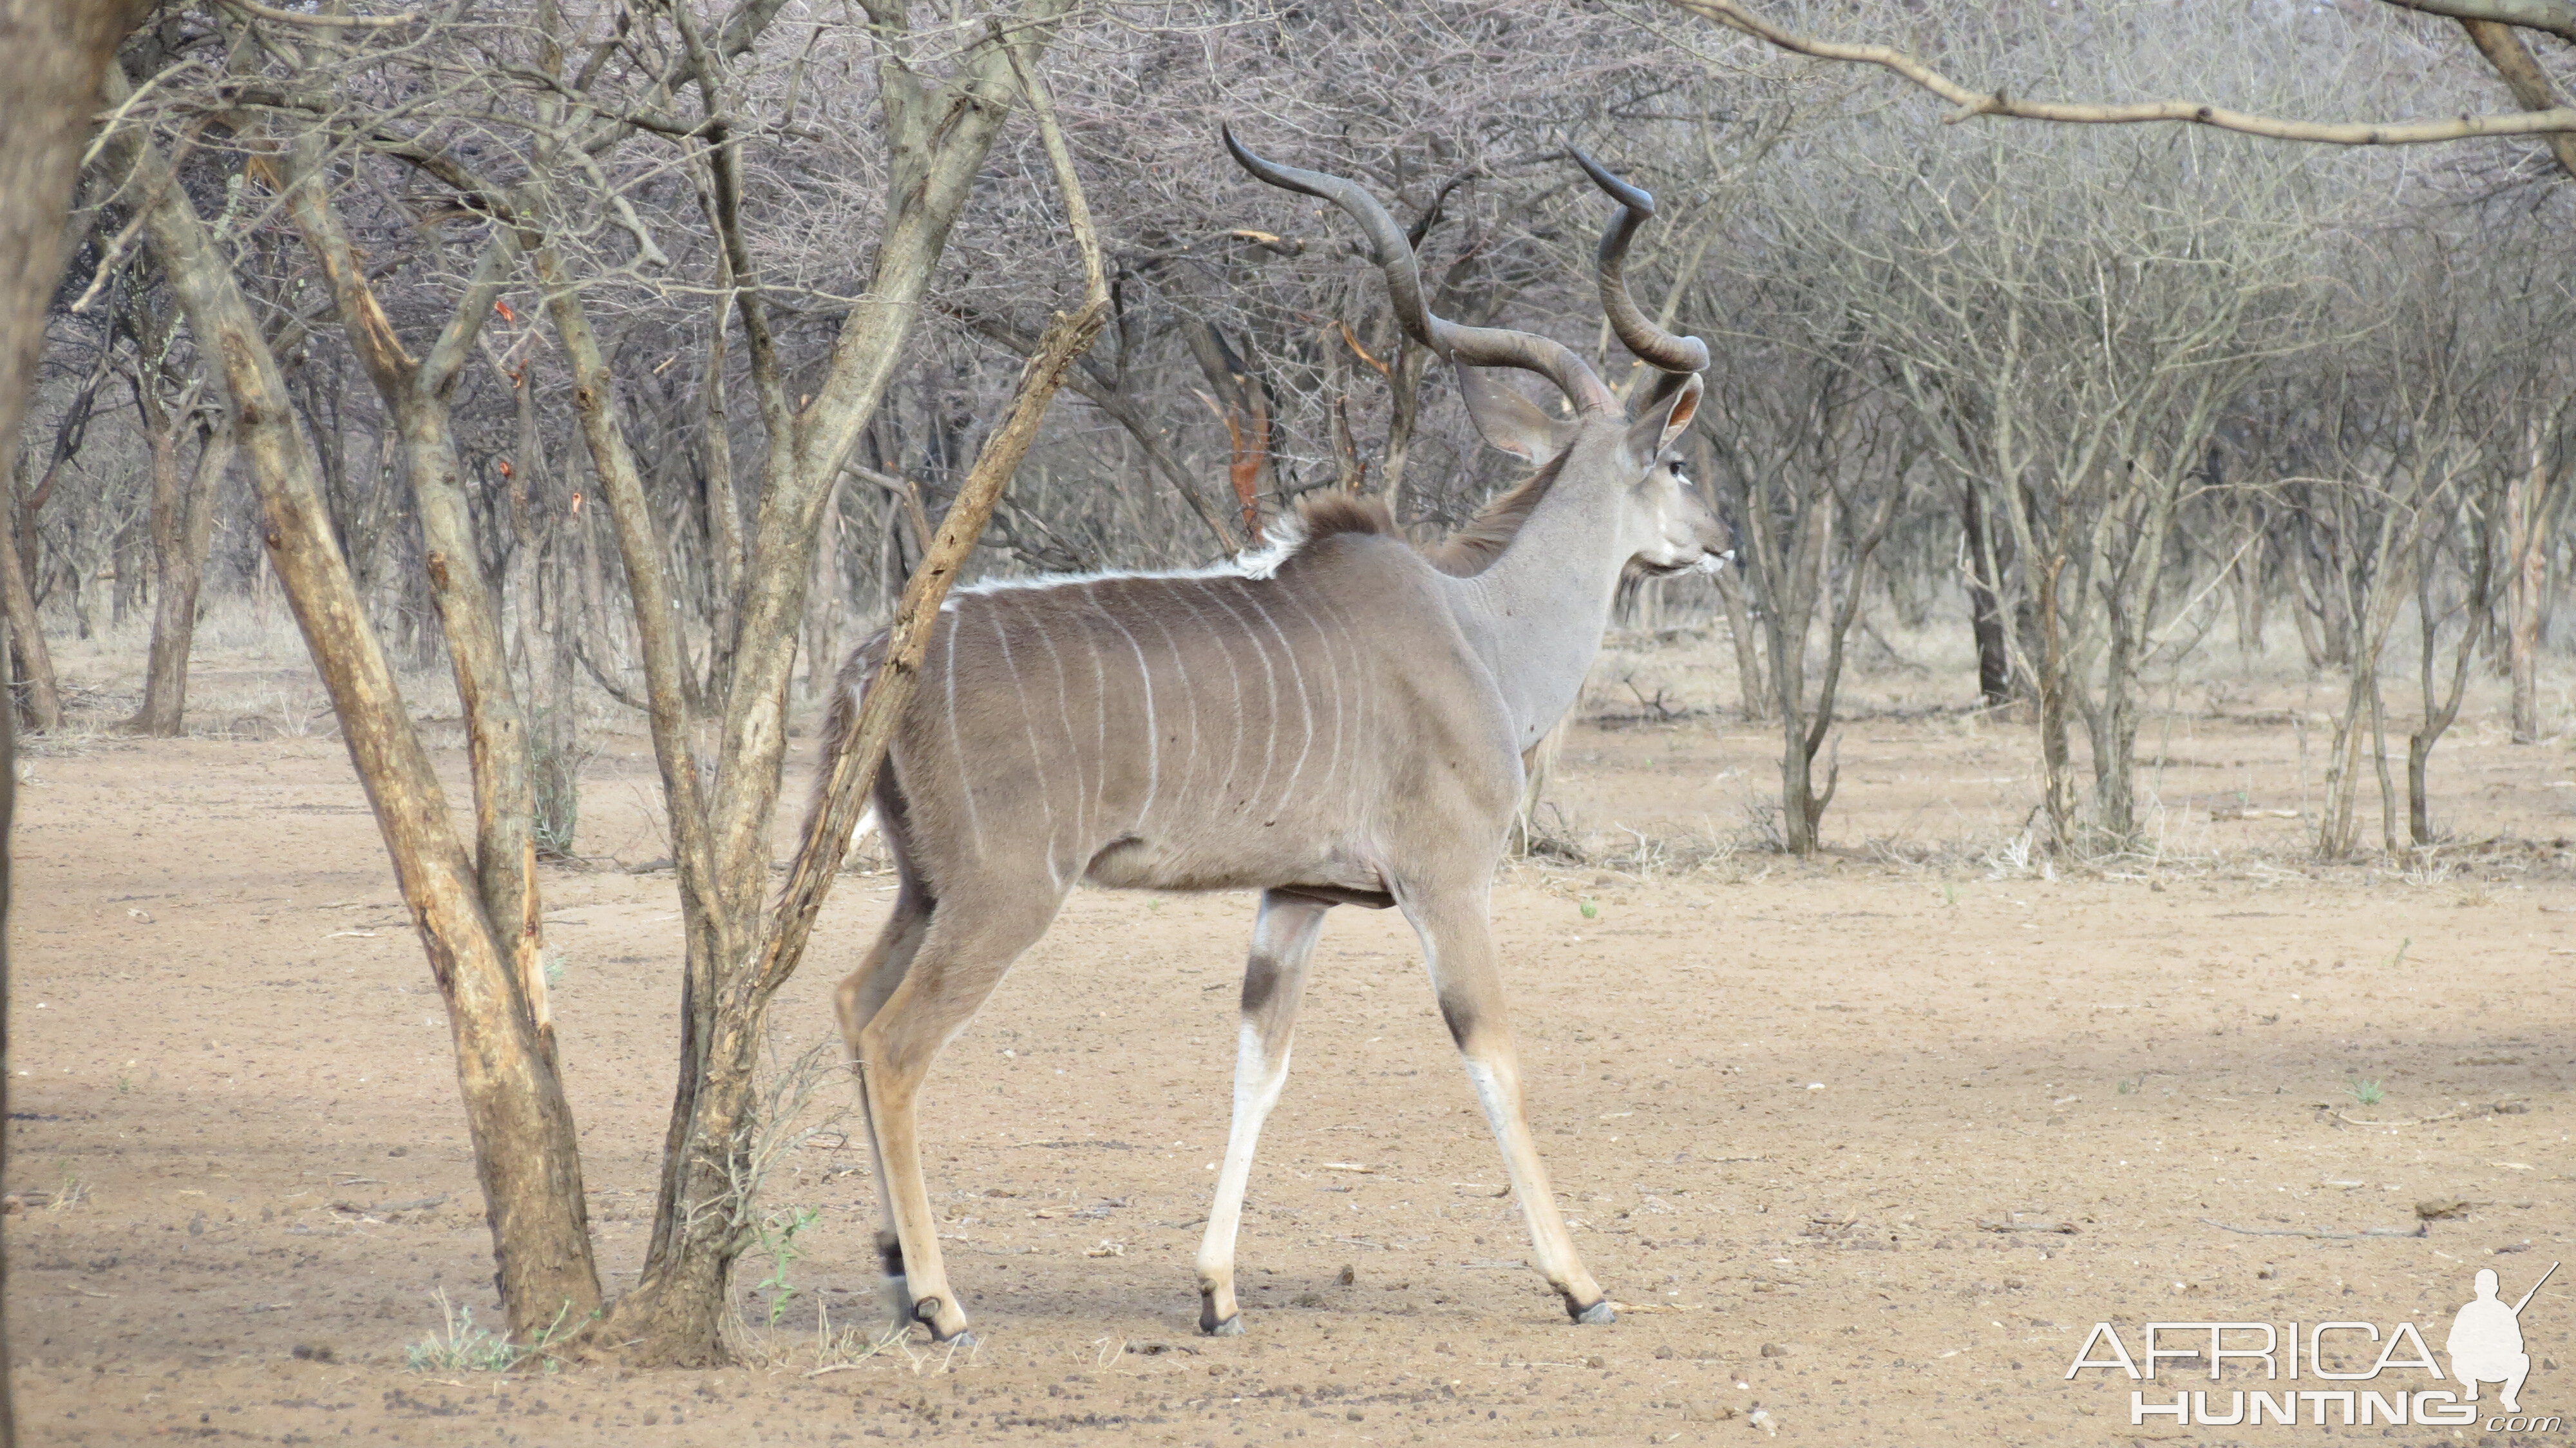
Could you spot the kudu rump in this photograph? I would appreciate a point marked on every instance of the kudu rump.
(1339, 720)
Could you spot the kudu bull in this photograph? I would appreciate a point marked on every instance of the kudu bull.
(1340, 720)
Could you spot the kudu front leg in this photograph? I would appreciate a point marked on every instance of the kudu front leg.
(1459, 952)
(1283, 947)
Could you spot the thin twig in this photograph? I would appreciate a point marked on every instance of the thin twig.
(2418, 1230)
(2418, 1121)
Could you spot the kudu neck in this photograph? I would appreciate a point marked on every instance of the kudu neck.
(1537, 613)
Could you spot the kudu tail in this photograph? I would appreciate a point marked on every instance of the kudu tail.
(841, 732)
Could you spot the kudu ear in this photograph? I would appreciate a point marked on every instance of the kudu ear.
(1509, 420)
(1650, 434)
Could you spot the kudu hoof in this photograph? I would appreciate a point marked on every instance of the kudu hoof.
(1598, 1314)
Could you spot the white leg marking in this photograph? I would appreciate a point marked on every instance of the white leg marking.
(1257, 1083)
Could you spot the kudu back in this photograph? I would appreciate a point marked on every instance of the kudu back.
(1337, 720)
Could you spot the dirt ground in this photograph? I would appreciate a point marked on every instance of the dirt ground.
(1818, 1124)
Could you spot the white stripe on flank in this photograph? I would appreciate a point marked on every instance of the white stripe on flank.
(1153, 727)
(1072, 746)
(1234, 752)
(1305, 703)
(1332, 674)
(957, 745)
(1189, 695)
(1028, 727)
(1270, 685)
(1360, 679)
(1100, 731)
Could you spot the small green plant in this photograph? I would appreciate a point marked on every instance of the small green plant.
(1587, 909)
(2126, 1087)
(556, 756)
(124, 1085)
(1950, 895)
(2400, 957)
(2365, 1092)
(461, 1347)
(775, 1236)
(554, 967)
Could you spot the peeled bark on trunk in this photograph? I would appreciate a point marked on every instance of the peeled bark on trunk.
(183, 527)
(525, 1147)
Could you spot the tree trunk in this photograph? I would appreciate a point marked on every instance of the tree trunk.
(52, 53)
(939, 138)
(1750, 687)
(2526, 578)
(525, 1147)
(183, 527)
(33, 664)
(2056, 760)
(1985, 615)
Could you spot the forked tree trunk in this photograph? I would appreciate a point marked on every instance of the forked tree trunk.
(526, 1151)
(183, 527)
(417, 392)
(940, 135)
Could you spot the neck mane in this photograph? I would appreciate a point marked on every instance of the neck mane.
(1474, 547)
(1470, 550)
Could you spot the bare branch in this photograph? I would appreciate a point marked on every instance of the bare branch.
(2557, 17)
(2523, 76)
(322, 22)
(1995, 103)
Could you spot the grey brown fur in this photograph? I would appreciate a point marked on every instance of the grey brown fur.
(1342, 721)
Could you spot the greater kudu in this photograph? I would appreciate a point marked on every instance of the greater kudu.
(1339, 721)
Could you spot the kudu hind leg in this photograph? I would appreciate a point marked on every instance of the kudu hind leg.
(1283, 947)
(861, 995)
(1459, 953)
(964, 951)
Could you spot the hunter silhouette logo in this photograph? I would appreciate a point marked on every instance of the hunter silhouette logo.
(2355, 1387)
(2486, 1341)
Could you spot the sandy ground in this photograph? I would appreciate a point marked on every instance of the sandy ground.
(1787, 1104)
